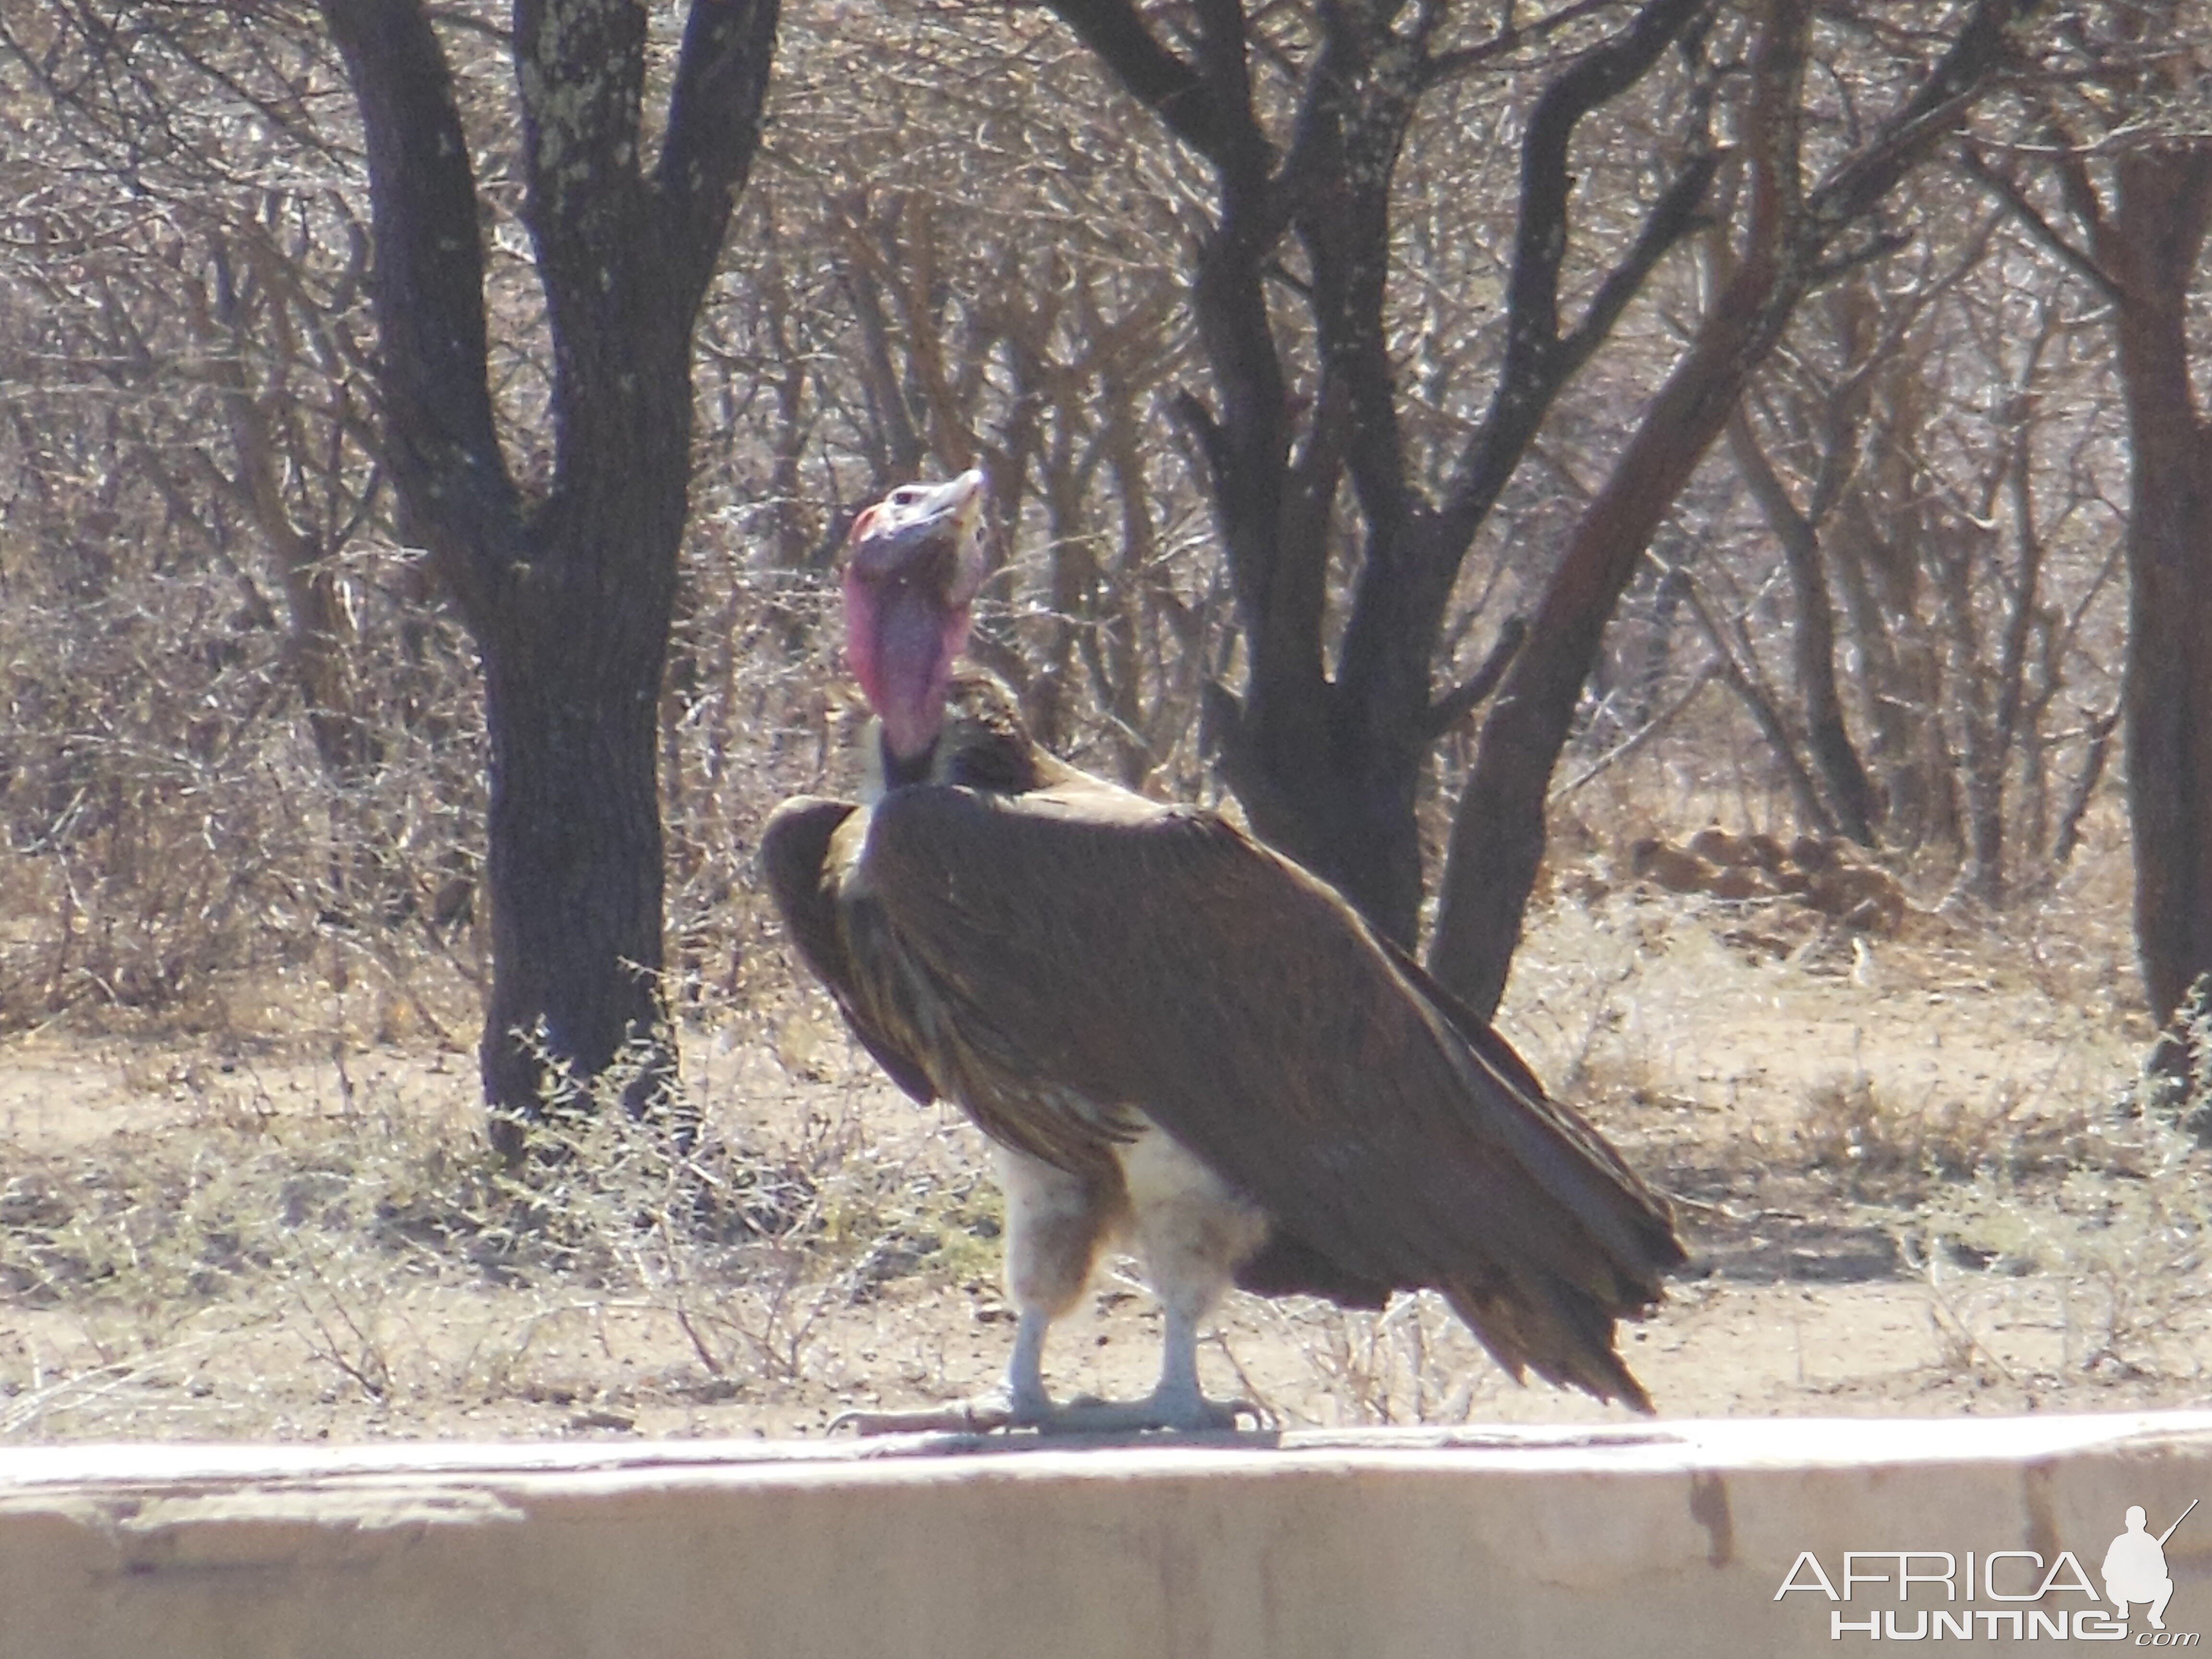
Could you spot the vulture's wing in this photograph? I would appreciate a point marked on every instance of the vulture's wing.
(1134, 954)
(795, 857)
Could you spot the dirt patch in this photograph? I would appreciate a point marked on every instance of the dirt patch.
(1904, 1167)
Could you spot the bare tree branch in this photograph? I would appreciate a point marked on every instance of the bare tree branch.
(1158, 79)
(428, 283)
(714, 128)
(2076, 258)
(1463, 699)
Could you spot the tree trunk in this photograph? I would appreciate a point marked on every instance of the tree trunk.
(1329, 768)
(568, 596)
(575, 861)
(2149, 247)
(1497, 834)
(573, 661)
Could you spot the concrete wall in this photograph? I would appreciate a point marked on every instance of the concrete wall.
(1666, 1539)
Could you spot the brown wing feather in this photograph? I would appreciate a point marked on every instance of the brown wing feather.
(795, 858)
(1137, 954)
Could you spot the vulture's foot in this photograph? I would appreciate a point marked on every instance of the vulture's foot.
(978, 1416)
(1183, 1412)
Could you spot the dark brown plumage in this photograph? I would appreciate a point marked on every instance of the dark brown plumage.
(1182, 1034)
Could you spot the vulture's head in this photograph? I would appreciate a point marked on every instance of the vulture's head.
(913, 564)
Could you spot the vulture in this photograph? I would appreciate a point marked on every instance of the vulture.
(1177, 1037)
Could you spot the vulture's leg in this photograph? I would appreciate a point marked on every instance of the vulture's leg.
(1192, 1232)
(1056, 1222)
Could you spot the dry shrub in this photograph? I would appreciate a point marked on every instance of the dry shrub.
(382, 1245)
(1412, 1362)
(177, 841)
(1873, 1144)
(169, 820)
(2120, 1228)
(2124, 1233)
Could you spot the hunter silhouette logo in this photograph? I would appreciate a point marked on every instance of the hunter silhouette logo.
(2134, 1566)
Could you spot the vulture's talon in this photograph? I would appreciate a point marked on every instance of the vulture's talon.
(956, 1417)
(1092, 1415)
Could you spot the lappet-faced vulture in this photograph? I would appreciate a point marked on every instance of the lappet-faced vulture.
(1175, 1036)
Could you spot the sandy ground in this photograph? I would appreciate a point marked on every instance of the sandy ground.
(1900, 1167)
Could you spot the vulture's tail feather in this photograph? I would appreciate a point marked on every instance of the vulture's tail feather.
(1563, 1334)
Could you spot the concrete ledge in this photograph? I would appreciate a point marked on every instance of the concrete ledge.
(1662, 1539)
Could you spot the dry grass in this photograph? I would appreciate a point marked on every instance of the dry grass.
(374, 1249)
(2119, 1239)
(314, 1241)
(1873, 1144)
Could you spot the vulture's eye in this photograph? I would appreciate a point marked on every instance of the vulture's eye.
(905, 497)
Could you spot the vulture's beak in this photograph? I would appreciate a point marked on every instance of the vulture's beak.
(914, 562)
